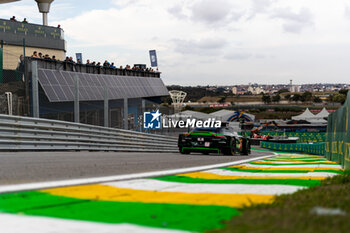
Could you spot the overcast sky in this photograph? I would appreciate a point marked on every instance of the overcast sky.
(215, 42)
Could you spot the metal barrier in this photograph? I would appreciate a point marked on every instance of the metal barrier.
(314, 148)
(25, 133)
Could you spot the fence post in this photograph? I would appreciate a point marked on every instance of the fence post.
(35, 89)
(106, 107)
(1, 63)
(76, 99)
(126, 113)
(143, 109)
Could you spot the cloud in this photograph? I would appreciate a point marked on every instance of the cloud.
(177, 11)
(214, 12)
(294, 22)
(347, 12)
(238, 56)
(207, 12)
(210, 46)
(259, 6)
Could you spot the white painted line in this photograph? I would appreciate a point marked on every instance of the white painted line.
(96, 180)
(294, 166)
(223, 172)
(20, 223)
(165, 186)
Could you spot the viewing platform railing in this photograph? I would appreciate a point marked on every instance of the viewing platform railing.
(83, 68)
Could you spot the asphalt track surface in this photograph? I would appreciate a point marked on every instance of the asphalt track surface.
(28, 167)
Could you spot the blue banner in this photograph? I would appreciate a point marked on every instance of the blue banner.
(153, 57)
(79, 57)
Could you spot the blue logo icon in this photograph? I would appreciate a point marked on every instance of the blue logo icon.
(152, 120)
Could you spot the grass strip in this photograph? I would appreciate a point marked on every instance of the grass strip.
(170, 216)
(293, 213)
(297, 182)
(284, 164)
(278, 171)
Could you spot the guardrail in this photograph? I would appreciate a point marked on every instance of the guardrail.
(317, 148)
(26, 133)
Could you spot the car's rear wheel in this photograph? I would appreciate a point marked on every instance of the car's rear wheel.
(184, 151)
(244, 146)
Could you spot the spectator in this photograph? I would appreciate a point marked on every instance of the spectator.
(112, 66)
(98, 64)
(47, 57)
(25, 20)
(106, 64)
(78, 61)
(121, 67)
(20, 66)
(40, 55)
(59, 26)
(35, 54)
(93, 63)
(13, 19)
(53, 58)
(71, 60)
(88, 62)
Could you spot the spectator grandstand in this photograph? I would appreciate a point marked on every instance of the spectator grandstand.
(46, 83)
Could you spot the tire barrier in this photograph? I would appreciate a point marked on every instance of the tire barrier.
(338, 136)
(315, 148)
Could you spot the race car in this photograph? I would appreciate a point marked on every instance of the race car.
(218, 140)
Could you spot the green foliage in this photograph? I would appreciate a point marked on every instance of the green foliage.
(284, 90)
(266, 99)
(276, 98)
(343, 92)
(306, 96)
(188, 107)
(339, 98)
(317, 99)
(296, 97)
(288, 97)
(222, 100)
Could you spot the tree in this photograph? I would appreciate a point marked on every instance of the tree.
(276, 98)
(317, 99)
(188, 107)
(266, 99)
(343, 92)
(222, 100)
(284, 90)
(296, 97)
(306, 96)
(330, 98)
(339, 98)
(288, 97)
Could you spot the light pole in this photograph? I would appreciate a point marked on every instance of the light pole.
(44, 8)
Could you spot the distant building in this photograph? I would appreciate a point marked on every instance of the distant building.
(294, 88)
(256, 90)
(234, 90)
